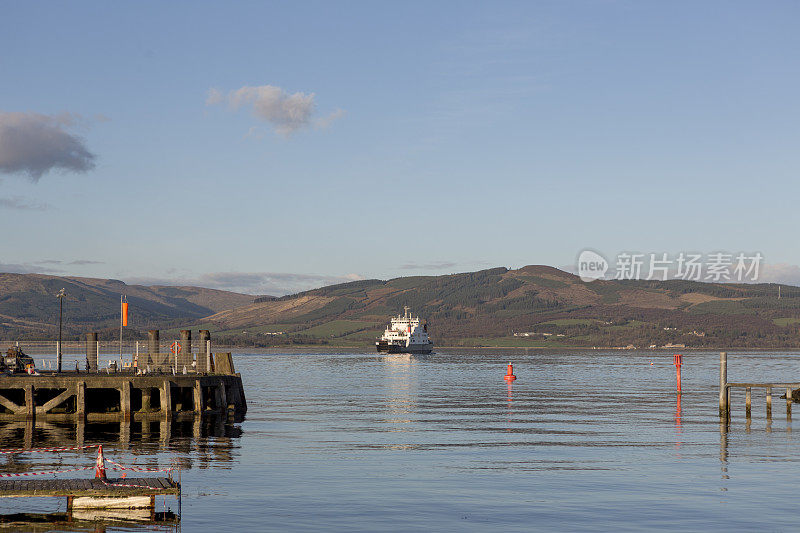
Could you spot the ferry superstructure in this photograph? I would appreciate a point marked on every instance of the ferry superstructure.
(405, 334)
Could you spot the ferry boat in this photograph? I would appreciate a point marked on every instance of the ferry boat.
(405, 334)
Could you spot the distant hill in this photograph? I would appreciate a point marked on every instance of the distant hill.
(530, 306)
(29, 307)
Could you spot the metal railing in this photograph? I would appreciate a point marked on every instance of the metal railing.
(111, 355)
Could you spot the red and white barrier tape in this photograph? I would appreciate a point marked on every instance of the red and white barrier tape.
(136, 468)
(24, 474)
(49, 450)
(106, 483)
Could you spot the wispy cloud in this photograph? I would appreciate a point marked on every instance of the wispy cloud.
(273, 283)
(287, 113)
(33, 144)
(26, 268)
(23, 204)
(45, 266)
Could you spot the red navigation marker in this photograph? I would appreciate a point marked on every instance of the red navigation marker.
(510, 375)
(677, 360)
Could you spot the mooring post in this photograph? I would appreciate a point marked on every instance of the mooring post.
(205, 347)
(789, 403)
(769, 402)
(723, 384)
(747, 402)
(152, 347)
(91, 351)
(184, 359)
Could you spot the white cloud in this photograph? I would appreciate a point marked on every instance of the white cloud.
(287, 113)
(34, 144)
(272, 283)
(779, 273)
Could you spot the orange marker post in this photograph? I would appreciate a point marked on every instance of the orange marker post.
(510, 374)
(677, 360)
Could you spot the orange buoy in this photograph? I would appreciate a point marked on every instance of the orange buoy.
(510, 375)
(100, 466)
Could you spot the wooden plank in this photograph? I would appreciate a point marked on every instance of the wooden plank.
(55, 402)
(8, 404)
(87, 487)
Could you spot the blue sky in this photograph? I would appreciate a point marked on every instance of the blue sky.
(441, 137)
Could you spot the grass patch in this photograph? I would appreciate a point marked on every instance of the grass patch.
(544, 282)
(505, 342)
(571, 322)
(788, 321)
(337, 328)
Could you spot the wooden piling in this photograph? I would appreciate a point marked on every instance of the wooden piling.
(166, 399)
(788, 403)
(198, 397)
(723, 381)
(30, 405)
(125, 399)
(80, 399)
(769, 402)
(747, 402)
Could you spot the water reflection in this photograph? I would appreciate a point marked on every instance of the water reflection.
(402, 389)
(119, 520)
(186, 441)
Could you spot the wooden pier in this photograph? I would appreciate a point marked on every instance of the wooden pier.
(89, 488)
(126, 395)
(725, 388)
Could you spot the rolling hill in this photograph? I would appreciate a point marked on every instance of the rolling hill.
(530, 306)
(29, 308)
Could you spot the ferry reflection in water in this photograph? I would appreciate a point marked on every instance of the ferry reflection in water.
(401, 395)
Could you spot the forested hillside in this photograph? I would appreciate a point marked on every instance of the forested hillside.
(530, 306)
(29, 307)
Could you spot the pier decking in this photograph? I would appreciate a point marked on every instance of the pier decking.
(130, 394)
(96, 488)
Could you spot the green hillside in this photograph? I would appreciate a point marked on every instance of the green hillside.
(29, 308)
(530, 306)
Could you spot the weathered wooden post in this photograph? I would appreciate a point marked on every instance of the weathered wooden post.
(788, 403)
(221, 398)
(125, 400)
(166, 399)
(198, 397)
(723, 384)
(80, 400)
(769, 402)
(30, 404)
(747, 402)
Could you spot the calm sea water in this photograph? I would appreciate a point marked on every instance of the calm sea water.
(583, 440)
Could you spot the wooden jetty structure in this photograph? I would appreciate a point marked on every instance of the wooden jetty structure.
(725, 388)
(90, 495)
(154, 386)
